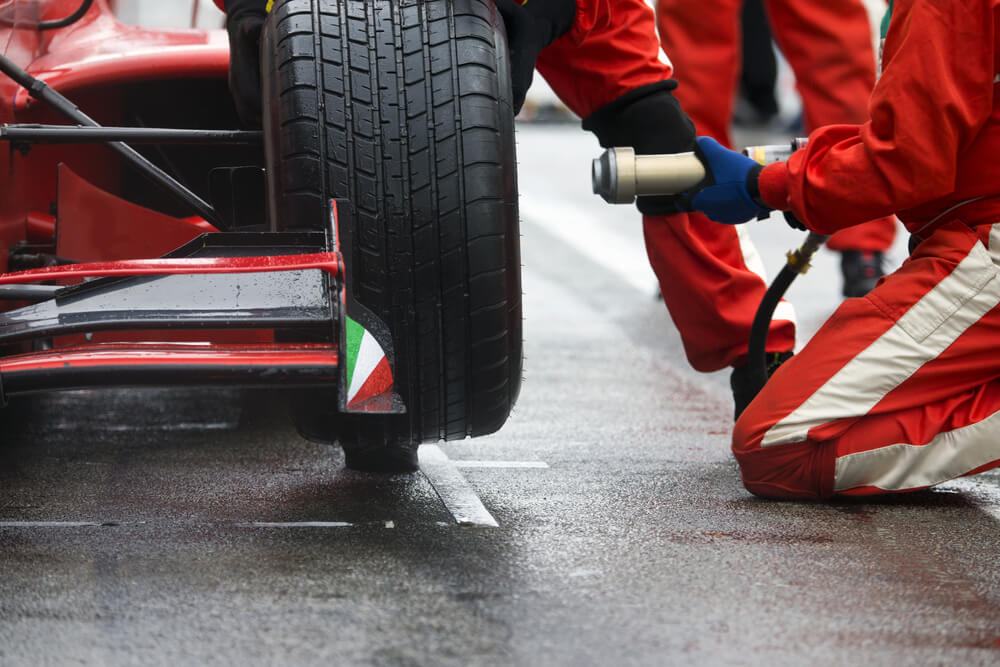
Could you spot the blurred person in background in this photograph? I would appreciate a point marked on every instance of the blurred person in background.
(603, 59)
(829, 47)
(756, 104)
(899, 390)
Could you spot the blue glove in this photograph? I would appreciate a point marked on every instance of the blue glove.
(729, 193)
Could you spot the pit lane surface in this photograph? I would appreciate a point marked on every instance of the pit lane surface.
(168, 527)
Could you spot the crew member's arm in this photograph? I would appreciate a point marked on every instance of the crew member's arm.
(934, 96)
(531, 26)
(927, 110)
(609, 70)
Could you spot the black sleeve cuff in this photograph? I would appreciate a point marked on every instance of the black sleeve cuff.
(234, 7)
(650, 120)
(753, 185)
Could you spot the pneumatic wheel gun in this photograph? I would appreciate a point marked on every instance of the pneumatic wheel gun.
(619, 175)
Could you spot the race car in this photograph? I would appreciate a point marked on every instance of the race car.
(360, 254)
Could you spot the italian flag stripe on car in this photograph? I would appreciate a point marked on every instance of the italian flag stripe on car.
(368, 372)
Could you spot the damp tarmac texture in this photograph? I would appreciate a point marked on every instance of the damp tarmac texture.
(635, 545)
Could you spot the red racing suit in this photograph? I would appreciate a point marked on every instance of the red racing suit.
(828, 45)
(705, 270)
(900, 389)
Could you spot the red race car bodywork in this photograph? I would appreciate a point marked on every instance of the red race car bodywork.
(100, 64)
(114, 280)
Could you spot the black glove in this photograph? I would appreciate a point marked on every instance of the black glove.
(531, 27)
(650, 120)
(244, 20)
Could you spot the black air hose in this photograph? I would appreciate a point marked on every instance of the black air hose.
(69, 20)
(798, 262)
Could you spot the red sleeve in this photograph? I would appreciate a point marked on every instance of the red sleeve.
(221, 4)
(611, 49)
(926, 112)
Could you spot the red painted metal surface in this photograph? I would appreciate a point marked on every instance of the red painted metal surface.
(183, 336)
(40, 227)
(94, 225)
(176, 354)
(90, 61)
(100, 49)
(325, 261)
(159, 59)
(100, 64)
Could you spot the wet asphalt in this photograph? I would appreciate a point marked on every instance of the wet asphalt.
(196, 527)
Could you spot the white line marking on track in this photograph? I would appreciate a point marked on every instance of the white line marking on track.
(295, 524)
(500, 464)
(453, 489)
(49, 524)
(181, 426)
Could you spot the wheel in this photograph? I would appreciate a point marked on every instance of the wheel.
(403, 107)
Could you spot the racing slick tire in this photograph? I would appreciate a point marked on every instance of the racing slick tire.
(404, 108)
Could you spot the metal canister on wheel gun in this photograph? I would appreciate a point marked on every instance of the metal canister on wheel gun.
(619, 175)
(771, 153)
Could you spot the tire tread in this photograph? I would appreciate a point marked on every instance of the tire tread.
(409, 98)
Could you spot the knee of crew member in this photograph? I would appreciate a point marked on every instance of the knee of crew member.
(794, 470)
(749, 430)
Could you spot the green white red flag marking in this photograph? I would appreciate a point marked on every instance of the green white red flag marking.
(368, 371)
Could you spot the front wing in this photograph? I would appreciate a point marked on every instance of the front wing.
(251, 309)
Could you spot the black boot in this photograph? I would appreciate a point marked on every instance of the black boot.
(861, 269)
(742, 384)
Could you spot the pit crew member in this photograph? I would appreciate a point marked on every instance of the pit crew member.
(899, 390)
